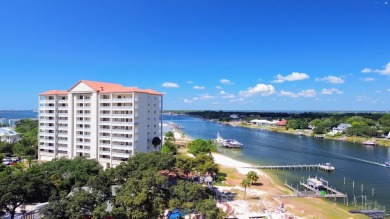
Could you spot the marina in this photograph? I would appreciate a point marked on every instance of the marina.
(266, 148)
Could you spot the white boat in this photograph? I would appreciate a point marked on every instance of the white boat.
(229, 143)
(369, 142)
(328, 166)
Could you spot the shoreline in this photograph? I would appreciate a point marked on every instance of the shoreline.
(353, 139)
(270, 190)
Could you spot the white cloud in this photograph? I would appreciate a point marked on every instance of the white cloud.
(384, 71)
(189, 82)
(295, 76)
(366, 70)
(196, 87)
(225, 81)
(307, 93)
(368, 79)
(218, 87)
(331, 91)
(226, 95)
(287, 93)
(237, 100)
(187, 101)
(205, 97)
(331, 79)
(195, 98)
(261, 89)
(170, 84)
(388, 89)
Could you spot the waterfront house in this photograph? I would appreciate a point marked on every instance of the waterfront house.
(9, 135)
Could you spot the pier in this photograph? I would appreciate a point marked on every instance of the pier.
(311, 192)
(325, 167)
(316, 189)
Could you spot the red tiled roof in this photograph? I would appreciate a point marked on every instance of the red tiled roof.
(54, 92)
(97, 86)
(283, 122)
(103, 87)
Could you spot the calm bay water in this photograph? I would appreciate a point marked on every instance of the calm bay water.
(357, 164)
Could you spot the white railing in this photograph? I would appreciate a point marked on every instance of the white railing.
(63, 141)
(122, 155)
(122, 99)
(104, 152)
(104, 137)
(83, 114)
(122, 131)
(123, 107)
(122, 147)
(121, 138)
(122, 115)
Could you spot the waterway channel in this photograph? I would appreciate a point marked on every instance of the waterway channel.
(359, 169)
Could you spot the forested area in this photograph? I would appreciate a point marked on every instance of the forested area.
(143, 187)
(362, 124)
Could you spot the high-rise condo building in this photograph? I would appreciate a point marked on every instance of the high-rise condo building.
(103, 121)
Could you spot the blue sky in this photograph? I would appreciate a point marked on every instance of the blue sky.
(204, 55)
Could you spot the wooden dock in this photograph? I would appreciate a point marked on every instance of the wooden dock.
(312, 192)
(297, 166)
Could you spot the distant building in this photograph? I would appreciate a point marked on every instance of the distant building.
(234, 116)
(263, 122)
(103, 121)
(340, 128)
(282, 122)
(9, 135)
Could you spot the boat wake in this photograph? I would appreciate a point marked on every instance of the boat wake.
(327, 154)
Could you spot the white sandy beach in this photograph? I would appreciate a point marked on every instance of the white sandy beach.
(241, 167)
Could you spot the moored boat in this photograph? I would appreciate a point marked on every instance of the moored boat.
(369, 142)
(229, 143)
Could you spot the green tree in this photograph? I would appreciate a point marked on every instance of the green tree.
(319, 129)
(22, 187)
(187, 194)
(315, 122)
(169, 136)
(204, 163)
(56, 209)
(245, 183)
(252, 176)
(144, 197)
(6, 148)
(184, 164)
(200, 146)
(208, 209)
(169, 147)
(385, 120)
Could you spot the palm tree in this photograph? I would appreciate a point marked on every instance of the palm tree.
(245, 183)
(252, 176)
